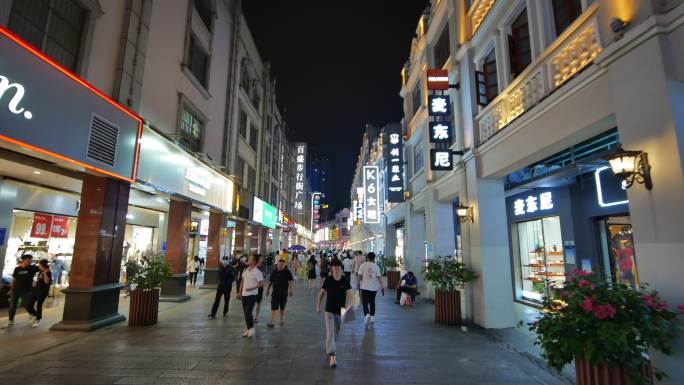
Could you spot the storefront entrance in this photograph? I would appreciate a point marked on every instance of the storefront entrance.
(617, 250)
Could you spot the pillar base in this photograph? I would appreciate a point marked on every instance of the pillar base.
(173, 289)
(211, 278)
(87, 309)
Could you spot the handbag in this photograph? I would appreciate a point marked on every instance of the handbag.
(348, 314)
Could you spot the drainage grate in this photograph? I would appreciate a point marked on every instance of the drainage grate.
(103, 139)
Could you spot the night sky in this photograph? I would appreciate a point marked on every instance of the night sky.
(337, 65)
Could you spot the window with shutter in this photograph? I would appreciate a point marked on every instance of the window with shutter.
(486, 80)
(565, 12)
(519, 45)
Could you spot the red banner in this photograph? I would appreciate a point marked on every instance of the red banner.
(60, 227)
(41, 226)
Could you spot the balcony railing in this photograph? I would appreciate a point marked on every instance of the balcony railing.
(572, 52)
(477, 13)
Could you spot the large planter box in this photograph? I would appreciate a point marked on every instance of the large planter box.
(392, 279)
(604, 374)
(144, 307)
(448, 307)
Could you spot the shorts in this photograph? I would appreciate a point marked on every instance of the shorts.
(278, 302)
(260, 295)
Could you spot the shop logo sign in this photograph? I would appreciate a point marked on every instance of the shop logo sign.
(532, 204)
(370, 194)
(13, 105)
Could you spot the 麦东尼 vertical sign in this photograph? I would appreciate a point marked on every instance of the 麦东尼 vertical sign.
(300, 176)
(371, 207)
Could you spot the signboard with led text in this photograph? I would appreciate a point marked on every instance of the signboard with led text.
(440, 132)
(441, 160)
(42, 104)
(439, 105)
(394, 162)
(437, 79)
(533, 203)
(300, 176)
(371, 206)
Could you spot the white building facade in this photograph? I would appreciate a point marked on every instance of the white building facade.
(542, 92)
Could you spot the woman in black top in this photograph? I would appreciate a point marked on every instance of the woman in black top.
(312, 271)
(40, 290)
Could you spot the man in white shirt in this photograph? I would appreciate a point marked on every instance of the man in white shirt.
(252, 280)
(370, 281)
(347, 264)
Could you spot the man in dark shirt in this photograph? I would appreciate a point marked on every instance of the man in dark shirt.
(408, 284)
(338, 293)
(21, 287)
(281, 280)
(224, 287)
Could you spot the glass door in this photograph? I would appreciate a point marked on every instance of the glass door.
(618, 251)
(541, 263)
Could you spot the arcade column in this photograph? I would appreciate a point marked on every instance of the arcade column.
(92, 298)
(216, 229)
(177, 238)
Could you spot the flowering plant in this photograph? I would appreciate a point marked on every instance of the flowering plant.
(447, 274)
(604, 323)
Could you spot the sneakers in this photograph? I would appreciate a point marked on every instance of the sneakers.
(366, 319)
(35, 323)
(246, 333)
(270, 325)
(10, 323)
(333, 362)
(372, 319)
(282, 323)
(211, 316)
(31, 317)
(250, 333)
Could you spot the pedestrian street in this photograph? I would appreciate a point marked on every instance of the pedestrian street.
(404, 346)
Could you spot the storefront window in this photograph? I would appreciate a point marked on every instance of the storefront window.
(541, 260)
(399, 248)
(619, 258)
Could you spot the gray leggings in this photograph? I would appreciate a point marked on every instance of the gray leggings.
(333, 322)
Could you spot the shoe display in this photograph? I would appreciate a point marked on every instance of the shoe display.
(333, 362)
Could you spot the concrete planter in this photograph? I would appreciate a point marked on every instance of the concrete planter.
(448, 307)
(392, 279)
(144, 307)
(604, 374)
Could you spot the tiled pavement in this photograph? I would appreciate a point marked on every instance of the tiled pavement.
(404, 346)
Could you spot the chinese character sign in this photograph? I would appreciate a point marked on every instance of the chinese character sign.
(440, 132)
(441, 160)
(300, 176)
(438, 105)
(371, 208)
(394, 163)
(533, 204)
(316, 211)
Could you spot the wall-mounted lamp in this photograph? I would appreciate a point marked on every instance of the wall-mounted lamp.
(464, 213)
(618, 26)
(631, 166)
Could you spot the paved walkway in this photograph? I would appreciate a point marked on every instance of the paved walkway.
(404, 346)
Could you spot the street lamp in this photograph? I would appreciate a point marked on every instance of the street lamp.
(631, 166)
(464, 213)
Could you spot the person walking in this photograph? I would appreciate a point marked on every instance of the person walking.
(40, 291)
(370, 281)
(347, 264)
(312, 264)
(224, 288)
(252, 280)
(358, 261)
(282, 282)
(22, 282)
(236, 267)
(294, 264)
(260, 293)
(338, 294)
(193, 270)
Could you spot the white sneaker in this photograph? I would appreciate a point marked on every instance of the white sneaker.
(250, 333)
(366, 319)
(10, 323)
(31, 317)
(372, 319)
(35, 323)
(246, 333)
(333, 362)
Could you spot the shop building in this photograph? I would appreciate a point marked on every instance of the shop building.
(541, 94)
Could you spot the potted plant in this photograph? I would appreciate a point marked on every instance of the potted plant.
(146, 279)
(393, 275)
(607, 328)
(447, 276)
